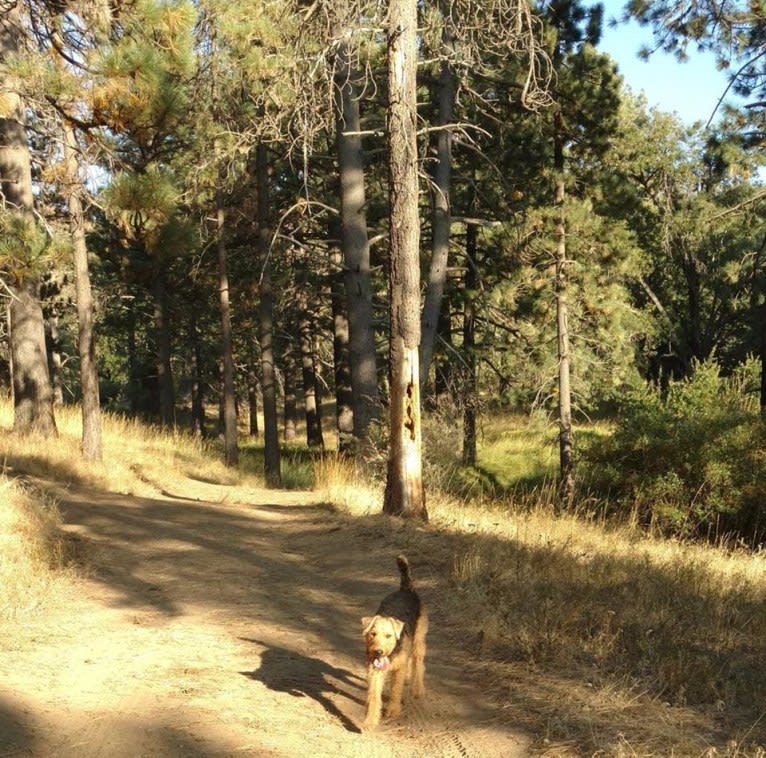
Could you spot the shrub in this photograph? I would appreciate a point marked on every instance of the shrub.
(688, 460)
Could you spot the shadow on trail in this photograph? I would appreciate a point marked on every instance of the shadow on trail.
(17, 732)
(284, 670)
(287, 573)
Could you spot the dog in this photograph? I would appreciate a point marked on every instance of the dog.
(395, 638)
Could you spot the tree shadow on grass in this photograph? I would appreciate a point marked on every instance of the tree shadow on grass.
(284, 670)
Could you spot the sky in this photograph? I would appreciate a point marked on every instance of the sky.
(690, 89)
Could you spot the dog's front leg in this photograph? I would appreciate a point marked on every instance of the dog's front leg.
(374, 703)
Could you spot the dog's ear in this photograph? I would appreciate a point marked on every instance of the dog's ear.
(367, 623)
(398, 627)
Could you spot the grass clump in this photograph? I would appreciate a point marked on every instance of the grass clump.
(32, 548)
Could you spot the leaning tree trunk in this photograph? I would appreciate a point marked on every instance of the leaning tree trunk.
(32, 393)
(441, 217)
(230, 447)
(271, 461)
(404, 493)
(86, 338)
(566, 460)
(356, 247)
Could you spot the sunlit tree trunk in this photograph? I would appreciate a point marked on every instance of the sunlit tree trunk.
(271, 457)
(32, 393)
(566, 461)
(404, 493)
(230, 446)
(356, 248)
(86, 337)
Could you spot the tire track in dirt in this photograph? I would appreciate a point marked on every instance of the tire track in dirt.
(209, 629)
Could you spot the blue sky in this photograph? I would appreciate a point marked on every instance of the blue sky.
(690, 89)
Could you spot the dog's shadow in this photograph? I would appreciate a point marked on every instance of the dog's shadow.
(284, 670)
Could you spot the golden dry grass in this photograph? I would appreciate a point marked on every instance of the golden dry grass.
(587, 630)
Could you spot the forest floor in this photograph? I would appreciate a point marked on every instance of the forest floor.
(201, 627)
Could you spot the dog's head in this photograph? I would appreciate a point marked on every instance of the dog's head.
(381, 635)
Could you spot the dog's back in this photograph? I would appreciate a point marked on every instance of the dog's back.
(404, 604)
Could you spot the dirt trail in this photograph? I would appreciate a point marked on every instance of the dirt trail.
(209, 629)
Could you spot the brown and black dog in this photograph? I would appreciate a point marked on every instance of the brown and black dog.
(396, 643)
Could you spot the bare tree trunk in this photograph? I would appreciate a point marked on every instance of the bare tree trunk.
(404, 483)
(197, 385)
(344, 409)
(32, 394)
(86, 339)
(162, 336)
(566, 461)
(54, 350)
(469, 349)
(441, 218)
(310, 401)
(230, 447)
(271, 460)
(290, 421)
(356, 248)
(252, 400)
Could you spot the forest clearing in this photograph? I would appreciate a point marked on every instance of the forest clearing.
(294, 287)
(195, 613)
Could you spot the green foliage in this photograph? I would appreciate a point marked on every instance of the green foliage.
(26, 248)
(688, 460)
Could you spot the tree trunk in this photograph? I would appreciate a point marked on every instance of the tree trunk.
(230, 447)
(441, 218)
(356, 248)
(290, 422)
(32, 395)
(162, 336)
(86, 338)
(271, 461)
(252, 400)
(566, 461)
(344, 410)
(469, 349)
(54, 350)
(197, 385)
(310, 401)
(404, 483)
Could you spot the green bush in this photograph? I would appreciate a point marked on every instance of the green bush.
(688, 460)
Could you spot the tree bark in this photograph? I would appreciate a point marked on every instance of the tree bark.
(469, 349)
(290, 420)
(163, 347)
(566, 443)
(252, 400)
(230, 447)
(198, 425)
(441, 219)
(32, 394)
(310, 400)
(344, 412)
(356, 248)
(404, 493)
(271, 459)
(86, 338)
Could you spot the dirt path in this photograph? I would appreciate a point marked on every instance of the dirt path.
(215, 630)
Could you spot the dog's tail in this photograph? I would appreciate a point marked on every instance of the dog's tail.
(404, 570)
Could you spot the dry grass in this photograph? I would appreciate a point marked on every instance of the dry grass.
(595, 637)
(32, 550)
(600, 638)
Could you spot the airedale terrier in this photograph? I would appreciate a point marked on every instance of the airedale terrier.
(396, 642)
